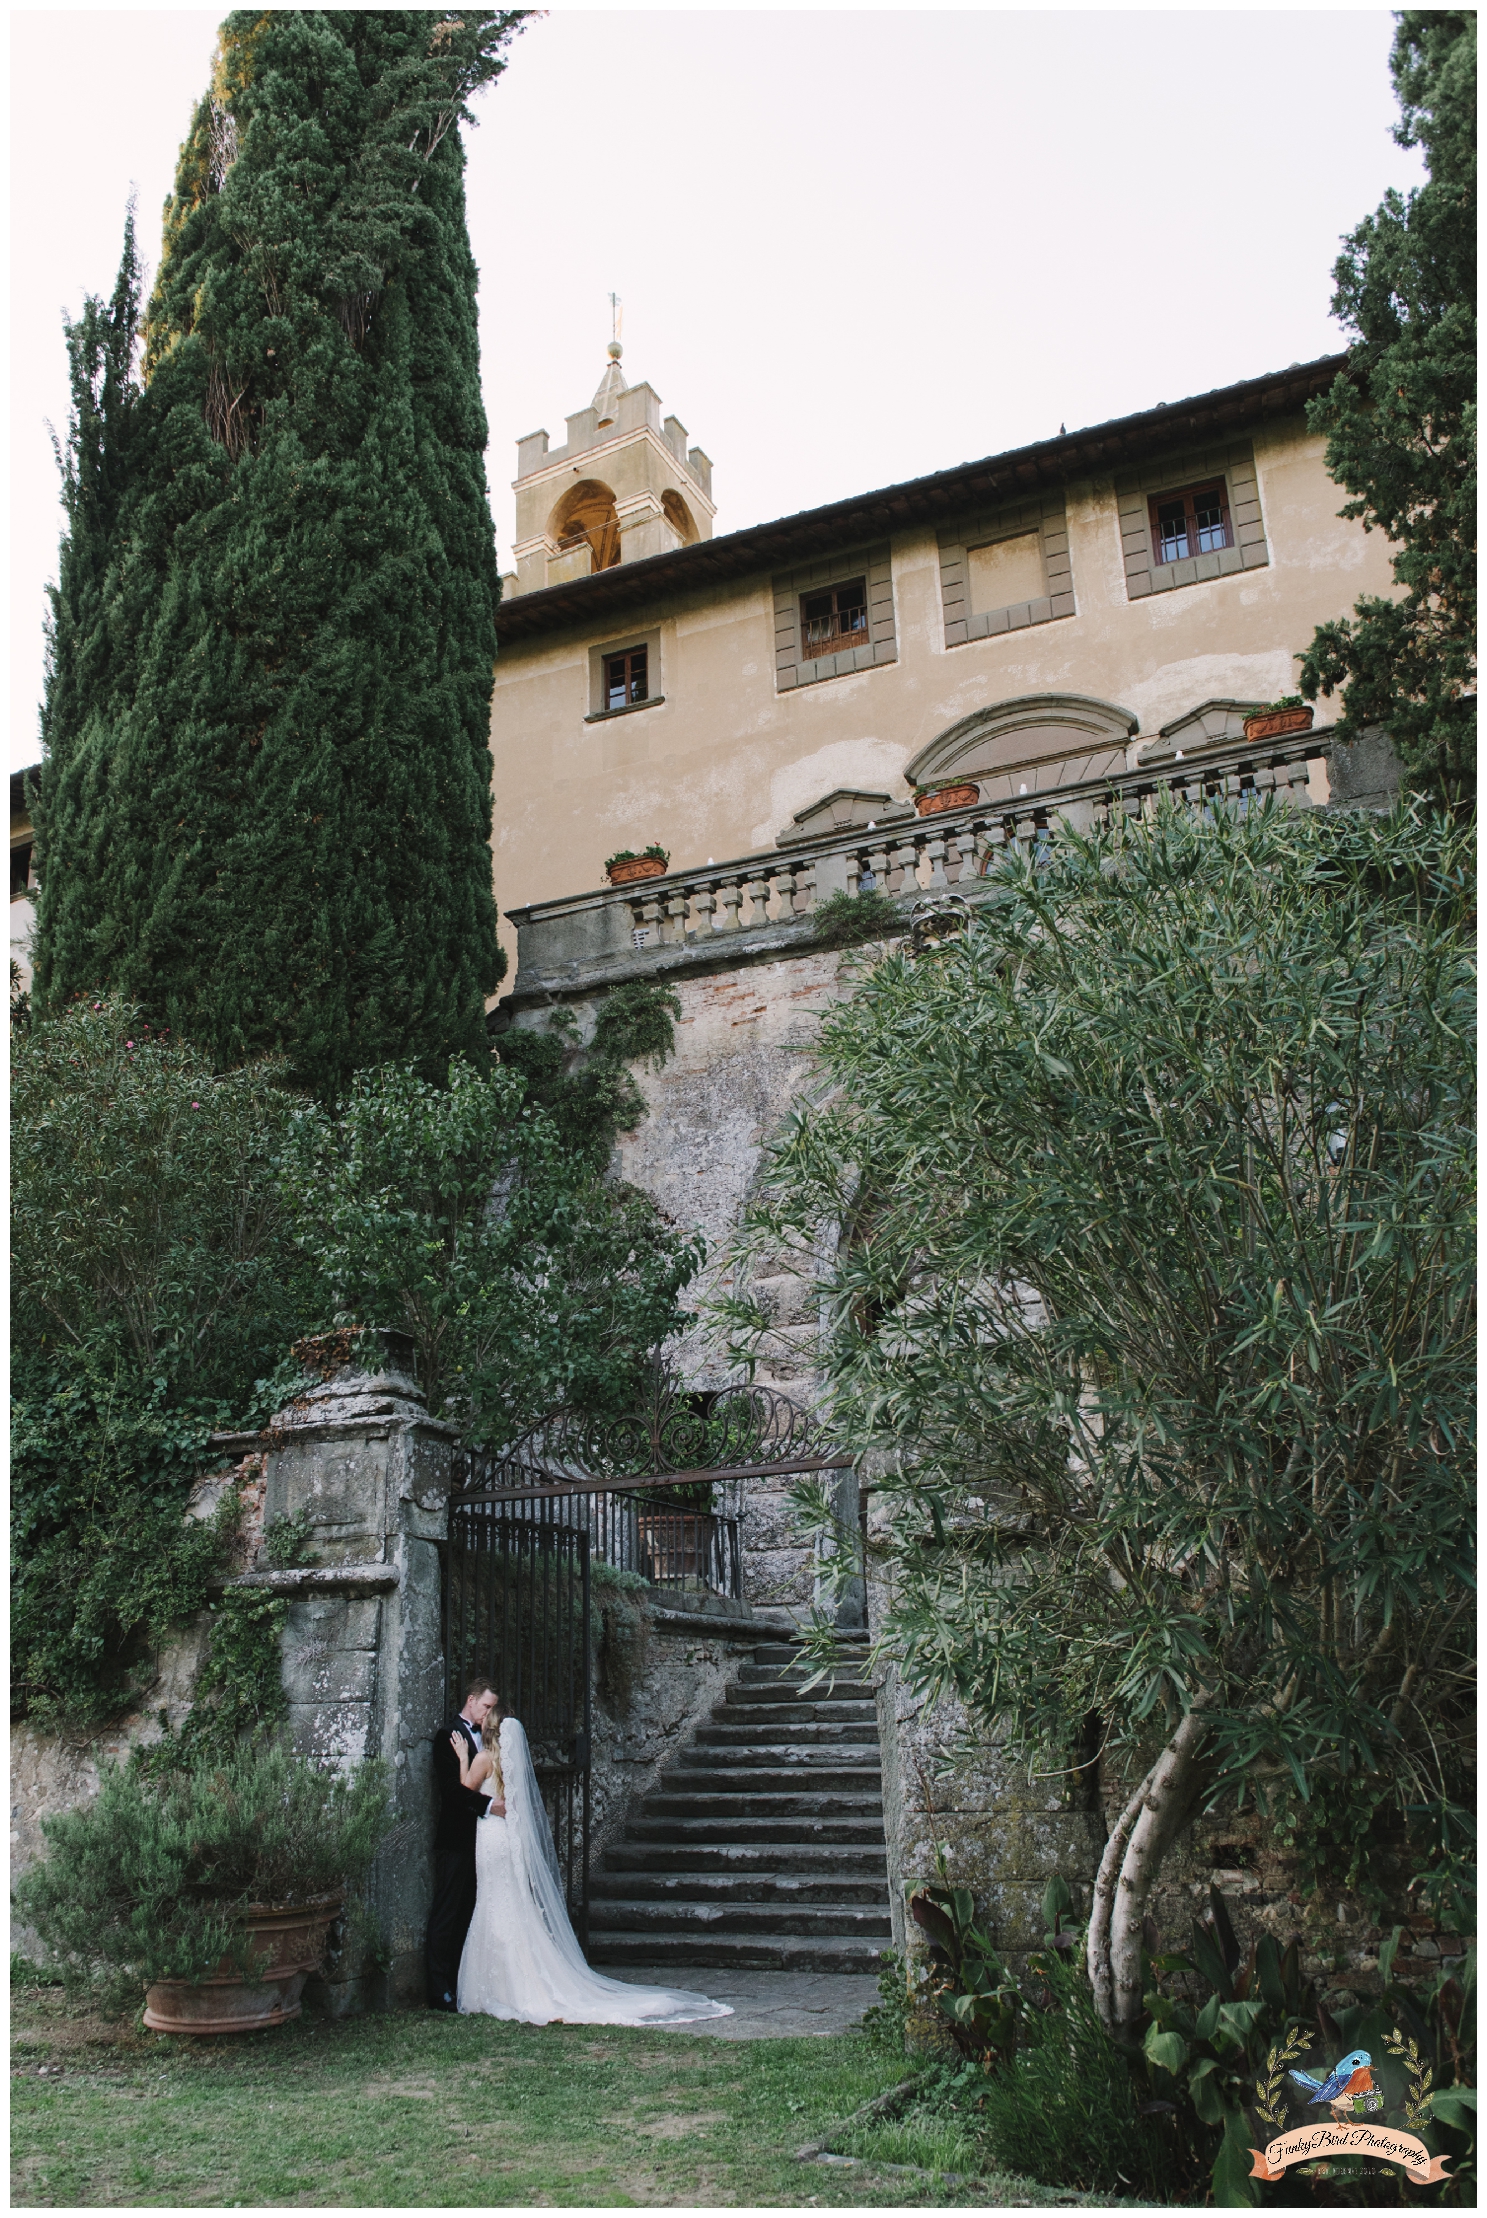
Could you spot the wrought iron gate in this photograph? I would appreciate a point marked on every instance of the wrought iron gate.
(516, 1606)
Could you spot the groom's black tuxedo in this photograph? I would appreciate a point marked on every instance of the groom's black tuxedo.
(458, 1809)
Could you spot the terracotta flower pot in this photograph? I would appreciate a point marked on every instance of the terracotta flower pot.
(947, 797)
(643, 866)
(1275, 723)
(288, 1944)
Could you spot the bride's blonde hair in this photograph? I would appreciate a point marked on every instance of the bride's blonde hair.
(490, 1741)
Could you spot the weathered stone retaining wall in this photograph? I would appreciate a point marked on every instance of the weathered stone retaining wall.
(687, 1665)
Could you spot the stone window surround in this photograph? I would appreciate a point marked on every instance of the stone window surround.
(874, 563)
(1044, 514)
(625, 643)
(1232, 461)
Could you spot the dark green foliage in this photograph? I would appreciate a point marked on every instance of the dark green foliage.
(152, 1278)
(636, 1023)
(589, 1094)
(145, 1218)
(624, 1625)
(1159, 1199)
(1066, 2109)
(456, 1213)
(103, 1566)
(147, 1880)
(975, 1992)
(1401, 423)
(265, 812)
(845, 919)
(653, 853)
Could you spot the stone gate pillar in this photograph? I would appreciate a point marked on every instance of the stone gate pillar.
(363, 1645)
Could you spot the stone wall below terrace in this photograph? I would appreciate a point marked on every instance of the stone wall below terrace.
(744, 1058)
(686, 1666)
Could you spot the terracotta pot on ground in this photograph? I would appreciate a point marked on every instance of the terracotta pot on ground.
(643, 866)
(288, 1944)
(947, 797)
(1275, 723)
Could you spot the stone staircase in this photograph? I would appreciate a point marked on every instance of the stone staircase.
(762, 1846)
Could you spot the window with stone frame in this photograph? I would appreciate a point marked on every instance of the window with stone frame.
(625, 678)
(1190, 517)
(626, 675)
(834, 617)
(1192, 522)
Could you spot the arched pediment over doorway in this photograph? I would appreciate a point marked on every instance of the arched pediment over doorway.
(1062, 737)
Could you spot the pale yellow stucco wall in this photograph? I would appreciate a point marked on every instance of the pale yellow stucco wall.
(724, 762)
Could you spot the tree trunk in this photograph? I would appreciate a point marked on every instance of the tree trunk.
(1128, 1870)
(1097, 1946)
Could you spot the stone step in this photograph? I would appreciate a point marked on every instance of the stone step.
(771, 1862)
(783, 1720)
(807, 1733)
(718, 1832)
(755, 1677)
(715, 1805)
(769, 1779)
(638, 1883)
(788, 1691)
(757, 1755)
(783, 1952)
(703, 1919)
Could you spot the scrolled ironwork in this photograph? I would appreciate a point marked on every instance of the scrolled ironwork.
(676, 1429)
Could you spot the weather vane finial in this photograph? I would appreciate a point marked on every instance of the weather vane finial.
(616, 325)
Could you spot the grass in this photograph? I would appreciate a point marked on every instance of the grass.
(445, 2112)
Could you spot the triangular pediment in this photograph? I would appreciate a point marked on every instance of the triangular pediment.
(846, 809)
(1208, 725)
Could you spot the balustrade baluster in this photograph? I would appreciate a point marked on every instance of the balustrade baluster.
(903, 875)
(676, 918)
(989, 838)
(805, 888)
(654, 924)
(732, 896)
(704, 902)
(757, 890)
(959, 846)
(934, 850)
(1298, 779)
(877, 863)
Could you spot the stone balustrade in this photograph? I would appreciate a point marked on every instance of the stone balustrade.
(749, 906)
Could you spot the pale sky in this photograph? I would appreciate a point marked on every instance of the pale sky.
(853, 246)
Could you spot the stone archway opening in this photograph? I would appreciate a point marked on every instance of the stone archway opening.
(586, 516)
(680, 518)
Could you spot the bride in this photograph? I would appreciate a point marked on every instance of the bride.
(522, 1959)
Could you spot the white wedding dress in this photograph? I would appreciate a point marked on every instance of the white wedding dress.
(522, 1959)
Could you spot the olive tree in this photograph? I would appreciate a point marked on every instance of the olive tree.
(1146, 1217)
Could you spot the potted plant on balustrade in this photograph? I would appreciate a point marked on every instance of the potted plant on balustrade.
(959, 793)
(625, 867)
(1279, 718)
(210, 1883)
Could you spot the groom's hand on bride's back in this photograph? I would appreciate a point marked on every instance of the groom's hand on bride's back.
(497, 1808)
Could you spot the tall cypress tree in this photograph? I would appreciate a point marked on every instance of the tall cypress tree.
(265, 811)
(1401, 424)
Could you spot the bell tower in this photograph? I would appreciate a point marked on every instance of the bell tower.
(622, 486)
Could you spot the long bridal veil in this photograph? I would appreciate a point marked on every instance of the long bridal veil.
(576, 1993)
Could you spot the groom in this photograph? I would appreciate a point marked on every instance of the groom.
(454, 1846)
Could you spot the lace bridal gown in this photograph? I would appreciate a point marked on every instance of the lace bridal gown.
(522, 1959)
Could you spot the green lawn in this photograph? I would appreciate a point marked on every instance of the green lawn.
(417, 2109)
